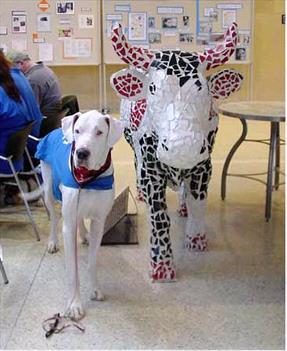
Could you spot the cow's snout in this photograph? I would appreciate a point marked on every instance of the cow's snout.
(83, 154)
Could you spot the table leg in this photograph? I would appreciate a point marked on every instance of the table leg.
(277, 162)
(229, 157)
(269, 185)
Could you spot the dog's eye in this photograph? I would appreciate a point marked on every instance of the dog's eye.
(77, 131)
(99, 132)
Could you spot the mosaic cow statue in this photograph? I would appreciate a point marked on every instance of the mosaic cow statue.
(170, 114)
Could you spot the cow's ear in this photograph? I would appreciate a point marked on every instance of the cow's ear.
(224, 83)
(129, 84)
(116, 128)
(68, 126)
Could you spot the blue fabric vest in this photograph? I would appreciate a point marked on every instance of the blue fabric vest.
(53, 151)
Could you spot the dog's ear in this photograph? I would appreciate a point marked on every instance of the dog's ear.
(68, 126)
(116, 129)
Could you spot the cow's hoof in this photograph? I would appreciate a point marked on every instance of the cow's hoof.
(196, 242)
(163, 272)
(97, 295)
(182, 211)
(53, 247)
(75, 311)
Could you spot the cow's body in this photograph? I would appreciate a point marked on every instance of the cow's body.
(170, 120)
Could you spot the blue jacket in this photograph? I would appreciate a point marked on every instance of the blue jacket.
(53, 151)
(15, 115)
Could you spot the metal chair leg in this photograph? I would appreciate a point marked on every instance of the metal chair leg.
(4, 275)
(25, 201)
(37, 179)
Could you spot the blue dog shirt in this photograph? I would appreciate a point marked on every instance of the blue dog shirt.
(53, 151)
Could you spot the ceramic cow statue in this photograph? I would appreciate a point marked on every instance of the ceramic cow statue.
(169, 108)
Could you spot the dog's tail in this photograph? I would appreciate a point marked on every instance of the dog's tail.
(34, 194)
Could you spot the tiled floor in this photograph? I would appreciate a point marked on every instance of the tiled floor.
(231, 297)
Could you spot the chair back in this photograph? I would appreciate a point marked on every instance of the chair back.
(70, 102)
(50, 123)
(17, 141)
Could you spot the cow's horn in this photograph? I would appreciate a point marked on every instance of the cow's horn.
(222, 52)
(137, 57)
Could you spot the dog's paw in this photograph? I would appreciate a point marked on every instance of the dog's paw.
(75, 311)
(196, 242)
(97, 295)
(53, 247)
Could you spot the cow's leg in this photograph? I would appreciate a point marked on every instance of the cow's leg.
(196, 206)
(182, 211)
(162, 266)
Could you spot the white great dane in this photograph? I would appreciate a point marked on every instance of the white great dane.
(81, 176)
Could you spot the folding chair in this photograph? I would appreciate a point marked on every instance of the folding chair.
(51, 123)
(4, 275)
(70, 102)
(16, 147)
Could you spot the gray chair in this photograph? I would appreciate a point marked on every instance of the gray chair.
(15, 150)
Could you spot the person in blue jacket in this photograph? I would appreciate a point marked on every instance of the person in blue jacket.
(18, 107)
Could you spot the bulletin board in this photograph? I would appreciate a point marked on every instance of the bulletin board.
(56, 32)
(189, 25)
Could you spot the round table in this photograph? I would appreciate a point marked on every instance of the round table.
(268, 111)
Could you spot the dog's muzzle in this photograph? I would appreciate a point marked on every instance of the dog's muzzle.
(83, 154)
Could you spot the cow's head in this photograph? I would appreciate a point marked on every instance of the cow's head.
(172, 87)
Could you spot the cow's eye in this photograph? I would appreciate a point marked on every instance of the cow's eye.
(99, 132)
(77, 131)
(152, 88)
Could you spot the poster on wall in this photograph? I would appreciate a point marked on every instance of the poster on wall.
(46, 52)
(137, 26)
(86, 21)
(228, 17)
(43, 23)
(78, 48)
(65, 7)
(240, 54)
(19, 22)
(19, 44)
(185, 38)
(154, 38)
(169, 23)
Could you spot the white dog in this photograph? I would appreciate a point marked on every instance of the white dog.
(77, 169)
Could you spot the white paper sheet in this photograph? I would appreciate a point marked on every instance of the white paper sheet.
(43, 23)
(46, 52)
(78, 47)
(19, 44)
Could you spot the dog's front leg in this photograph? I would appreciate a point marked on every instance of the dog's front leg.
(96, 235)
(70, 218)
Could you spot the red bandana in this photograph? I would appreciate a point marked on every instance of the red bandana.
(83, 175)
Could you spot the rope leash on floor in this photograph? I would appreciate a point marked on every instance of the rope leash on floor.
(58, 323)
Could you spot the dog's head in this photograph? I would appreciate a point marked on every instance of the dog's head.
(93, 135)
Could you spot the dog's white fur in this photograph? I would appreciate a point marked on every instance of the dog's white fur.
(91, 131)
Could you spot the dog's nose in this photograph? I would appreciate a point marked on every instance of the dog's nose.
(83, 153)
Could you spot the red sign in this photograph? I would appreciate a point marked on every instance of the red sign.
(44, 5)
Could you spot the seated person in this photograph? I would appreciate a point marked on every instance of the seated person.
(43, 81)
(18, 107)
